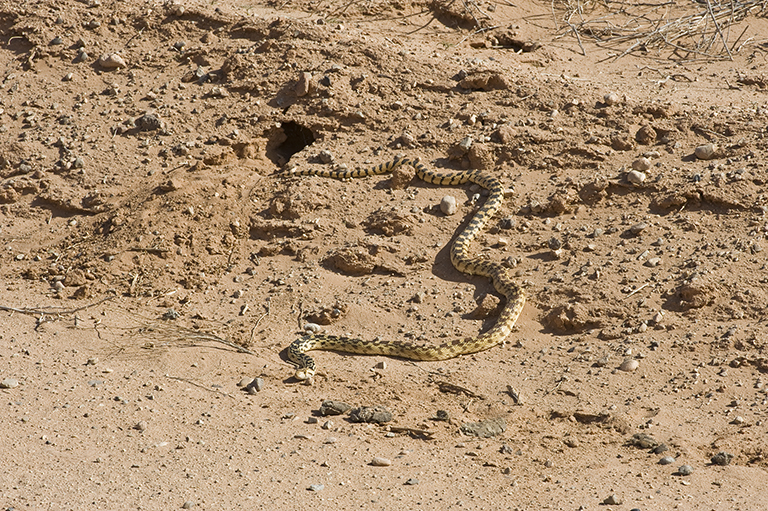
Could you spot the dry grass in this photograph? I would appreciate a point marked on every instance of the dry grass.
(687, 31)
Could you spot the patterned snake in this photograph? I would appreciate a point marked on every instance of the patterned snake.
(461, 260)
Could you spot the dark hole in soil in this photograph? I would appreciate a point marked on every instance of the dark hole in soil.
(297, 137)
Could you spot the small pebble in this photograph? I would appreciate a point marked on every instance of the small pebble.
(330, 407)
(304, 84)
(666, 460)
(316, 487)
(148, 122)
(706, 151)
(612, 500)
(653, 262)
(638, 228)
(255, 386)
(313, 328)
(381, 462)
(629, 365)
(140, 426)
(507, 223)
(448, 205)
(441, 415)
(685, 470)
(641, 164)
(111, 61)
(611, 98)
(554, 243)
(636, 177)
(244, 382)
(188, 505)
(9, 383)
(412, 482)
(325, 156)
(722, 458)
(327, 425)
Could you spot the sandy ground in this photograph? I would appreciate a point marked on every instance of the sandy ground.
(153, 261)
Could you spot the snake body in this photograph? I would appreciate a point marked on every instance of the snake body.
(461, 260)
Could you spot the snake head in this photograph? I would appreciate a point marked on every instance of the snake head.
(304, 373)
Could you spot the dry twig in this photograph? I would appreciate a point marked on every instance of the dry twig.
(663, 25)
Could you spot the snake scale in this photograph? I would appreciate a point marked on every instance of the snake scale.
(461, 260)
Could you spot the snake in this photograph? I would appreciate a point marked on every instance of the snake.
(461, 260)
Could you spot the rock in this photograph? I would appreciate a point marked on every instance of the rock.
(9, 383)
(685, 470)
(622, 142)
(411, 482)
(507, 223)
(255, 386)
(401, 177)
(629, 365)
(643, 441)
(140, 426)
(325, 156)
(638, 228)
(381, 462)
(148, 122)
(315, 487)
(612, 500)
(611, 99)
(188, 505)
(304, 85)
(485, 429)
(666, 460)
(448, 205)
(505, 134)
(480, 157)
(646, 135)
(112, 61)
(372, 414)
(653, 262)
(641, 164)
(722, 458)
(706, 151)
(330, 407)
(635, 177)
(442, 415)
(487, 306)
